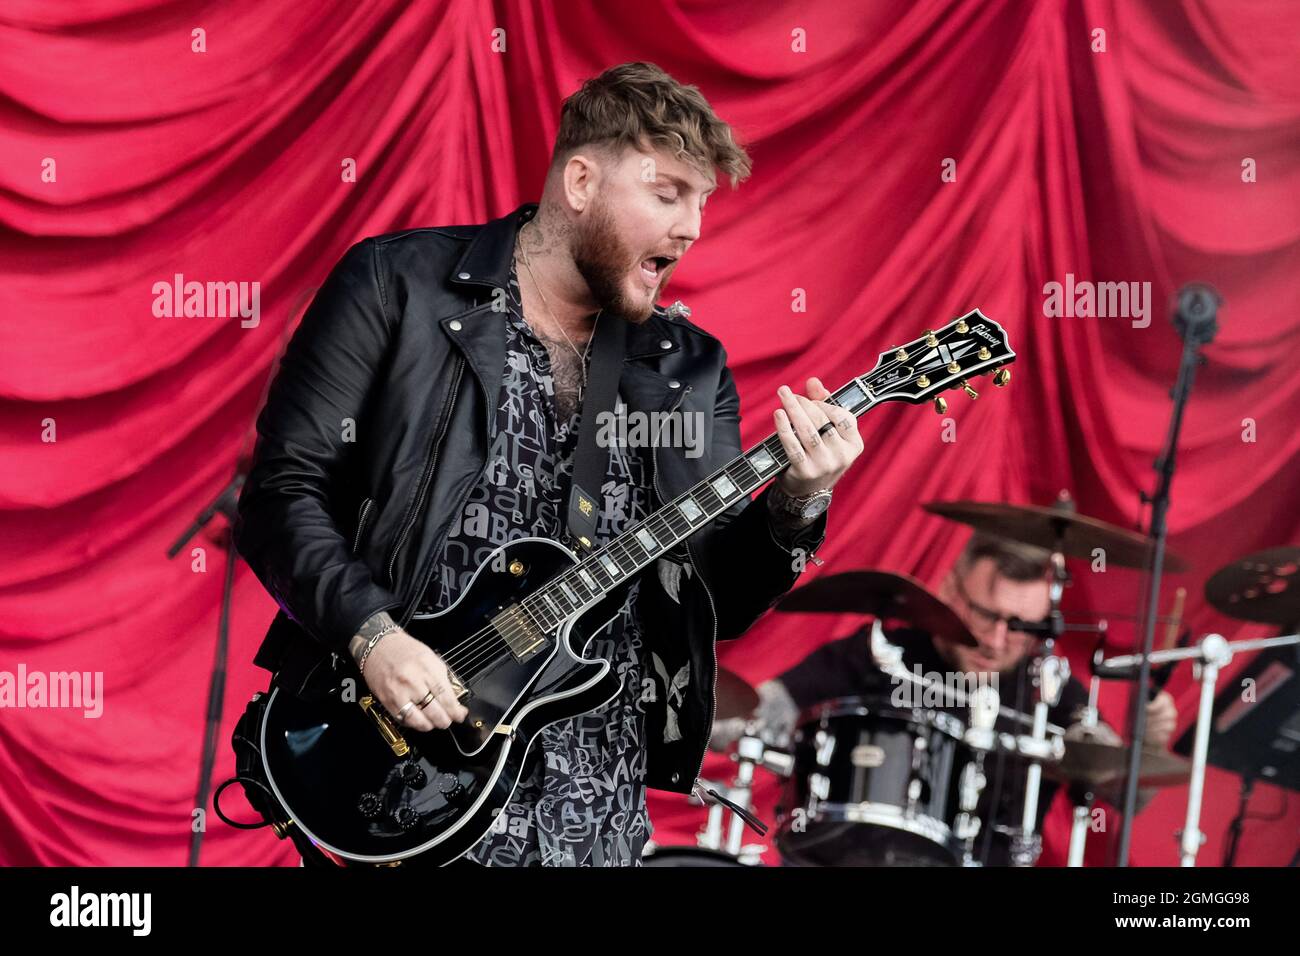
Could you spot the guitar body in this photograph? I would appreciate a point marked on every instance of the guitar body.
(347, 787)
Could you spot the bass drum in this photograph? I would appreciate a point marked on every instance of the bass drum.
(686, 856)
(873, 785)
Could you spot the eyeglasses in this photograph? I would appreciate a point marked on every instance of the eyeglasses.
(987, 618)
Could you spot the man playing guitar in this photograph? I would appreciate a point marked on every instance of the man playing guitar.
(427, 411)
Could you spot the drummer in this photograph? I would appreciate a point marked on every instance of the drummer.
(992, 581)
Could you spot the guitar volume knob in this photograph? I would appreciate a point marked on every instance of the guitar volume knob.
(369, 805)
(407, 818)
(450, 787)
(413, 774)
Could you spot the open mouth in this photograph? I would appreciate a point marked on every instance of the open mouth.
(652, 268)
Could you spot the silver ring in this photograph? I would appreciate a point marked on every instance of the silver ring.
(401, 714)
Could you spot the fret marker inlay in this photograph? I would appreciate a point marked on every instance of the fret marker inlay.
(723, 486)
(761, 460)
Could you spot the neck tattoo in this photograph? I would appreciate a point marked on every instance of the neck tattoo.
(569, 373)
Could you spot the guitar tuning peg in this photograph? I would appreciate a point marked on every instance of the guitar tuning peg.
(940, 405)
(1001, 377)
(969, 391)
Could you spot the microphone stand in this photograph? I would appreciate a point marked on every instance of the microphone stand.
(225, 503)
(1195, 321)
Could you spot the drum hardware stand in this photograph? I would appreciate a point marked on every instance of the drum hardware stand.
(981, 737)
(749, 752)
(1083, 798)
(1211, 655)
(1048, 674)
(1238, 822)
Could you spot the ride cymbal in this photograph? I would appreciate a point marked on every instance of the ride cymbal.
(1264, 587)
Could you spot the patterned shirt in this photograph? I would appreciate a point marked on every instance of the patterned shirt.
(581, 800)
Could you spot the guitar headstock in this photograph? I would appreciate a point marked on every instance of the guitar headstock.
(936, 361)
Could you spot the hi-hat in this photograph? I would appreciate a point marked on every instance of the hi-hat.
(1096, 763)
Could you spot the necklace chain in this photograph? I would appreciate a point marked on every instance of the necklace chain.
(582, 356)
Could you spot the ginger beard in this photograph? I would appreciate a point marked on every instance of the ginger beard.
(606, 263)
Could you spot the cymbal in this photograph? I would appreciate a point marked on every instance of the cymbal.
(1098, 764)
(882, 594)
(735, 696)
(1078, 534)
(1264, 586)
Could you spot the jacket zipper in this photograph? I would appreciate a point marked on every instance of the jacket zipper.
(361, 523)
(437, 549)
(690, 557)
(428, 471)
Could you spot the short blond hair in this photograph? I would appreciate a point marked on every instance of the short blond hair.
(635, 103)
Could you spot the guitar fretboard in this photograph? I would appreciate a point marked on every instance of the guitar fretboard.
(603, 570)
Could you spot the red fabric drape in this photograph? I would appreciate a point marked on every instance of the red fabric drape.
(1122, 165)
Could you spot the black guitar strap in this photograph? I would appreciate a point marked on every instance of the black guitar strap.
(591, 461)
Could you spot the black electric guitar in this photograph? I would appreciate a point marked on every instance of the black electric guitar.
(367, 790)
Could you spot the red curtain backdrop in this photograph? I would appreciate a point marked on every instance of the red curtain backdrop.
(127, 157)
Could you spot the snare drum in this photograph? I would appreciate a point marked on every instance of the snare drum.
(873, 785)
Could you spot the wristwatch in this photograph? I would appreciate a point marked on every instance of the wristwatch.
(806, 507)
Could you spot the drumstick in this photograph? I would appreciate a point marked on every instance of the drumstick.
(1160, 675)
(1175, 618)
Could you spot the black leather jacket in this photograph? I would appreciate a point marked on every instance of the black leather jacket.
(377, 427)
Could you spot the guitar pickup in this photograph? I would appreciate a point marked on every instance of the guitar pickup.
(520, 634)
